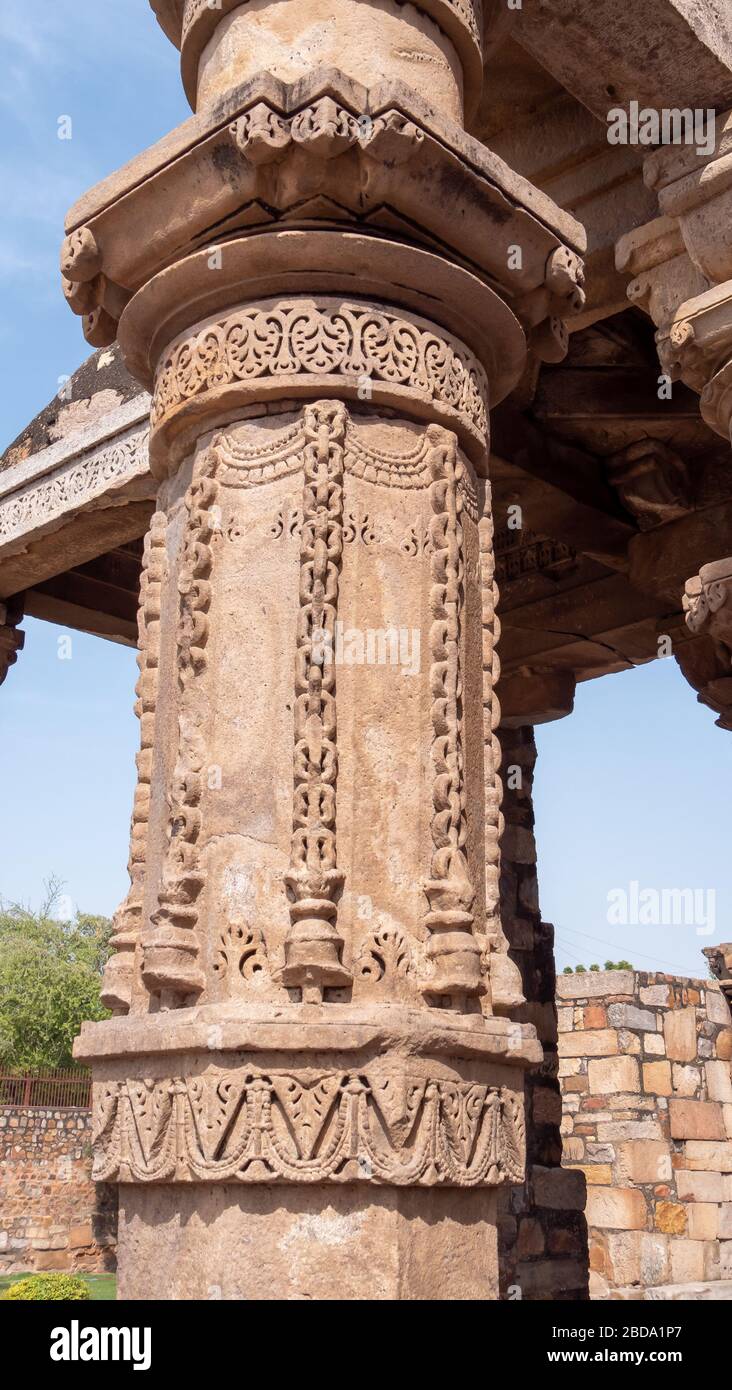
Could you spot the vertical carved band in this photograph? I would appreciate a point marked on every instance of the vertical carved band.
(117, 983)
(313, 946)
(492, 673)
(170, 964)
(452, 948)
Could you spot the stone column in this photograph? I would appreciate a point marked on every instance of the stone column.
(11, 637)
(312, 1084)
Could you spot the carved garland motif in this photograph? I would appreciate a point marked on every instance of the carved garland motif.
(329, 337)
(338, 1126)
(118, 976)
(171, 949)
(313, 946)
(452, 947)
(74, 485)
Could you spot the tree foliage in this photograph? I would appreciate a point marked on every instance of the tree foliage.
(50, 976)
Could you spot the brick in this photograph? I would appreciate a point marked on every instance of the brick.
(630, 1016)
(560, 1189)
(629, 1129)
(719, 1081)
(703, 1219)
(686, 1080)
(679, 1028)
(624, 1257)
(654, 1045)
(644, 1160)
(659, 996)
(546, 1106)
(696, 1119)
(724, 1045)
(565, 1020)
(595, 1173)
(616, 1208)
(687, 1261)
(699, 1187)
(595, 983)
(725, 1221)
(612, 1075)
(594, 1016)
(654, 1259)
(717, 1007)
(600, 1042)
(702, 1156)
(568, 1066)
(671, 1218)
(657, 1078)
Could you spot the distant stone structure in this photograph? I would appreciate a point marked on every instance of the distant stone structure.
(52, 1215)
(359, 367)
(644, 1062)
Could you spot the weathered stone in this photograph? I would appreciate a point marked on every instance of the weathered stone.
(657, 1078)
(613, 1074)
(719, 1081)
(631, 1017)
(696, 1119)
(703, 1218)
(643, 1160)
(686, 1080)
(670, 1217)
(616, 1208)
(679, 1027)
(601, 1042)
(687, 1261)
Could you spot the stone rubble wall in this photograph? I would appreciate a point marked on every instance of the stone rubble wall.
(52, 1216)
(644, 1067)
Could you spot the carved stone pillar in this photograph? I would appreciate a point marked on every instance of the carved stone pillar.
(312, 1085)
(11, 637)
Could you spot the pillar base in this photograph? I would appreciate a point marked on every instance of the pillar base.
(228, 1242)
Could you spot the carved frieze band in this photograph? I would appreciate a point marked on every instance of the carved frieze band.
(74, 485)
(365, 345)
(407, 1129)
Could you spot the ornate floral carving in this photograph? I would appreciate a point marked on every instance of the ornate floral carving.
(241, 954)
(118, 975)
(452, 947)
(324, 338)
(385, 954)
(170, 947)
(312, 946)
(74, 484)
(403, 1128)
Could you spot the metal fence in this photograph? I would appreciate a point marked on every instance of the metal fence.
(58, 1089)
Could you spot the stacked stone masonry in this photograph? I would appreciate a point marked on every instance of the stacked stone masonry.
(644, 1062)
(52, 1216)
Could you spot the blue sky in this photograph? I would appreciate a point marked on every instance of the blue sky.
(633, 787)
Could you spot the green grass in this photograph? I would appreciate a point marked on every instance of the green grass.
(102, 1287)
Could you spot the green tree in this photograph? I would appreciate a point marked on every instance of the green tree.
(50, 976)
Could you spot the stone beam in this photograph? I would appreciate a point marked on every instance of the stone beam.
(609, 53)
(75, 499)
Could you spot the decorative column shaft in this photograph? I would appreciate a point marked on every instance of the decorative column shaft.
(311, 984)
